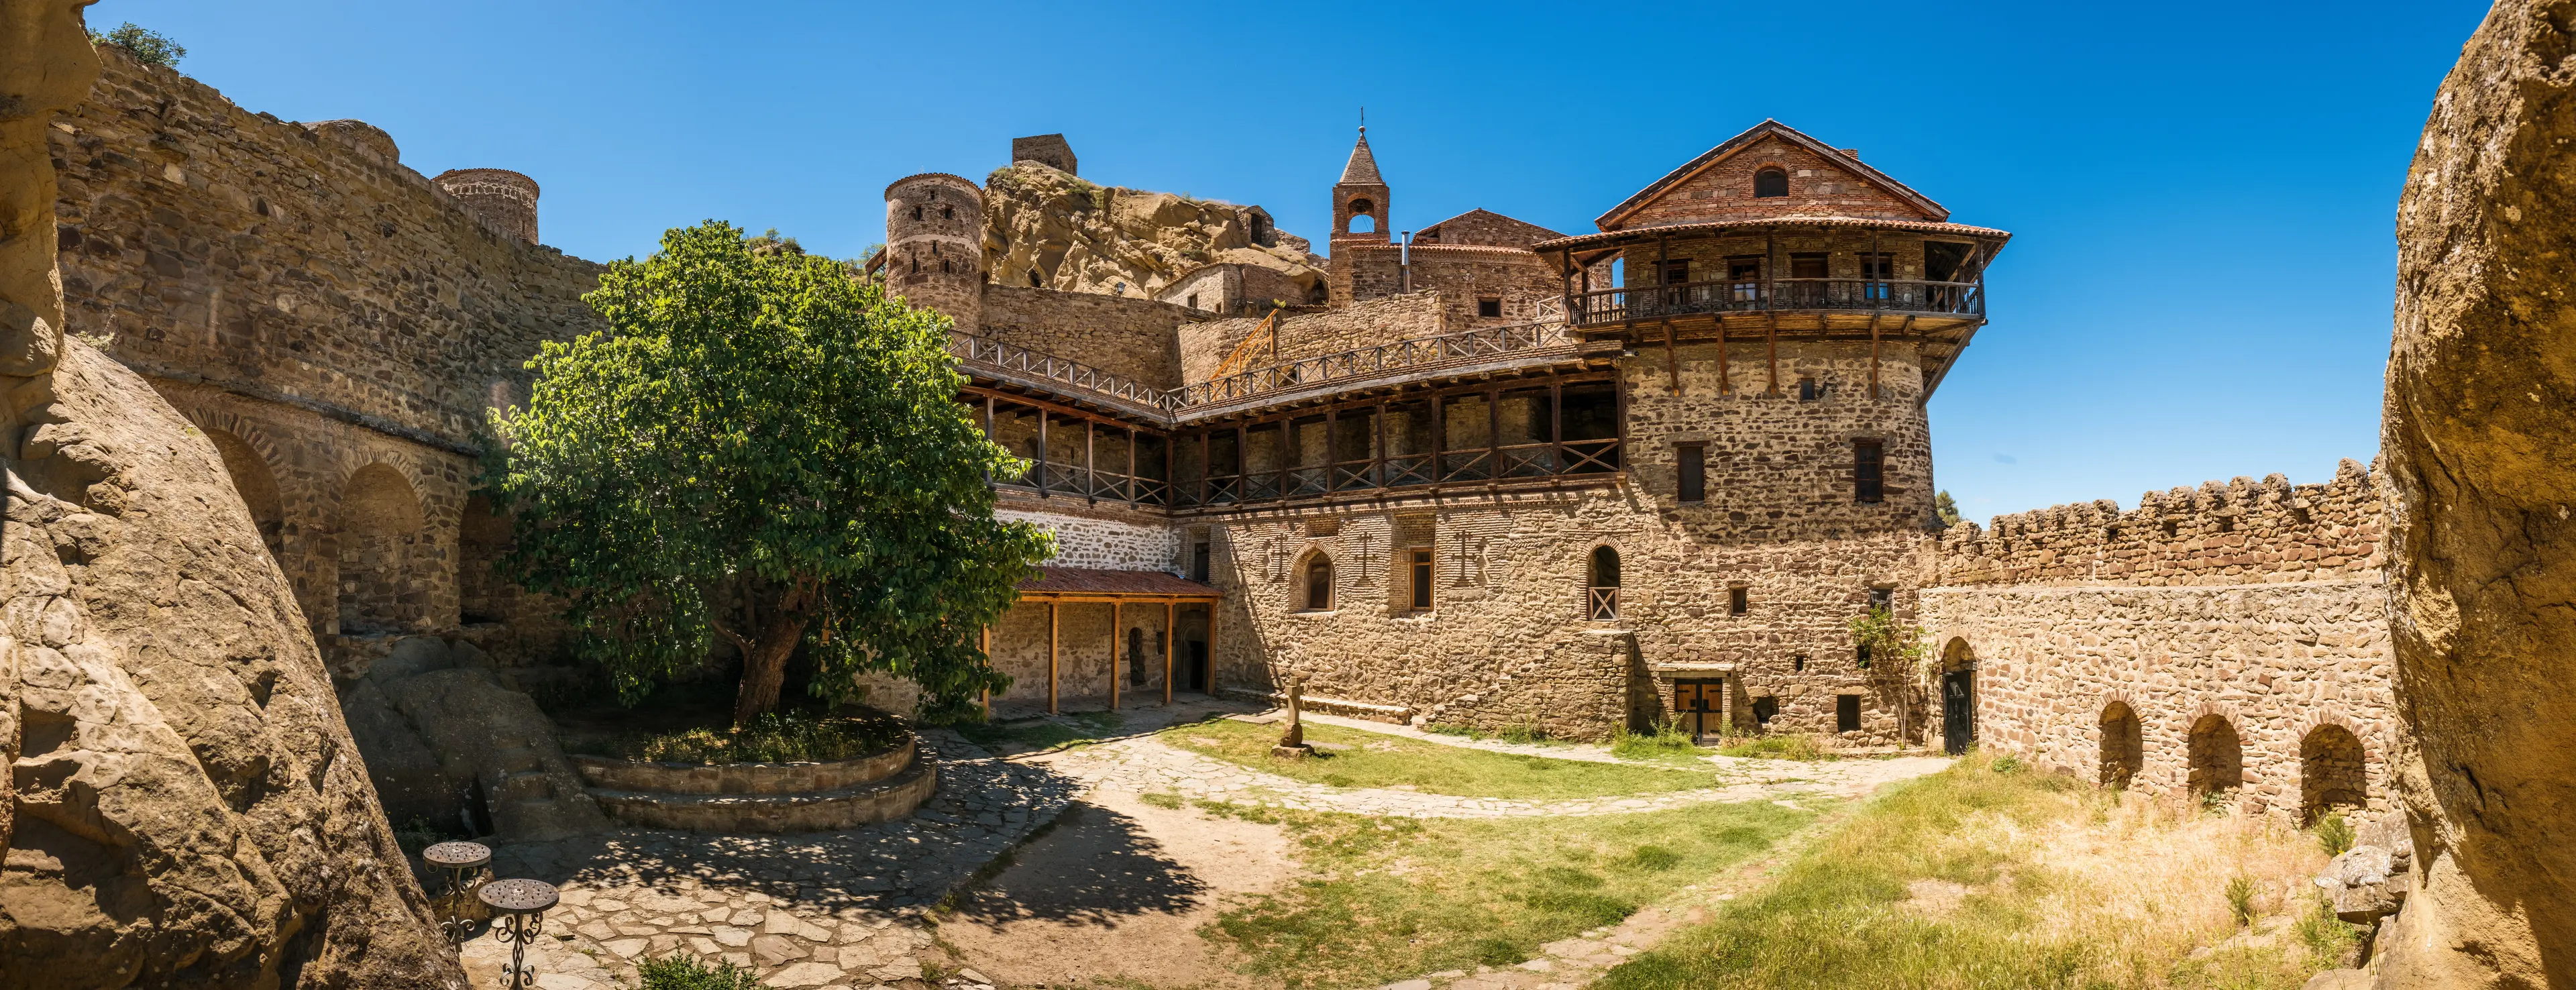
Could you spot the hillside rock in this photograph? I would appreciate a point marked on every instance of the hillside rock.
(2480, 417)
(1051, 230)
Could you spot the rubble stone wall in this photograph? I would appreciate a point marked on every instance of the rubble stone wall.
(2258, 602)
(297, 290)
(1463, 275)
(1112, 539)
(1118, 334)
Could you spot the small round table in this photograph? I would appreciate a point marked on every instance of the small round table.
(460, 860)
(522, 903)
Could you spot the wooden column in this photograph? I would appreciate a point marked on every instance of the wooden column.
(1672, 359)
(1090, 472)
(1555, 426)
(1771, 353)
(1116, 611)
(1171, 635)
(1051, 639)
(1132, 486)
(1043, 416)
(1724, 387)
(1873, 356)
(987, 694)
(996, 440)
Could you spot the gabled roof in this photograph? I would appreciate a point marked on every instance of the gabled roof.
(1534, 232)
(1771, 128)
(1362, 170)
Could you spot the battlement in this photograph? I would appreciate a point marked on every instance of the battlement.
(2240, 532)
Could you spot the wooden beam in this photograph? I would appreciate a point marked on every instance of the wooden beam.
(1171, 633)
(1115, 613)
(1873, 357)
(1672, 359)
(1771, 353)
(1051, 638)
(1724, 387)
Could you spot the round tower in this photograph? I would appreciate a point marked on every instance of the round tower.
(935, 245)
(505, 198)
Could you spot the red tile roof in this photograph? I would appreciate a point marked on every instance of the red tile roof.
(1109, 583)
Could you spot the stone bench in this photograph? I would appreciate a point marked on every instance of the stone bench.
(763, 797)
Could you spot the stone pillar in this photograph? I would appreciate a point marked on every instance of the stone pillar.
(1292, 741)
(2482, 517)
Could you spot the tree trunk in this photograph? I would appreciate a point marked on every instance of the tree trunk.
(764, 665)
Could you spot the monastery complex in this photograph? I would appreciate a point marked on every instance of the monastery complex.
(1490, 476)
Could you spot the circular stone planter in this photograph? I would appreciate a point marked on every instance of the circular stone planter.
(763, 797)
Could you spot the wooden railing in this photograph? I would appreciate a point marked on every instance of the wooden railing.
(1604, 603)
(1419, 352)
(1022, 362)
(1645, 302)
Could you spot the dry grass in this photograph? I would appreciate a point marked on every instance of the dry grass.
(1974, 878)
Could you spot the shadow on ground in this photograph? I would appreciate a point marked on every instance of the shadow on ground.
(1096, 867)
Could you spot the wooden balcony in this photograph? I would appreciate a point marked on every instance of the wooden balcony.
(1823, 303)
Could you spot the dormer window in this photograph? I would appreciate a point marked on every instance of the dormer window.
(1769, 183)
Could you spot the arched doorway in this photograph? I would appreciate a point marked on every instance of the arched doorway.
(1958, 697)
(381, 527)
(1602, 586)
(2217, 757)
(2330, 773)
(258, 487)
(2124, 746)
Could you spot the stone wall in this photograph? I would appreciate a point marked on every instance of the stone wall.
(1117, 334)
(1106, 538)
(2251, 609)
(1818, 186)
(1464, 275)
(337, 323)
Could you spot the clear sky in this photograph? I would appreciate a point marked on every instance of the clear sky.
(2201, 193)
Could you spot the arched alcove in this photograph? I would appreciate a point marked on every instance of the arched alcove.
(2124, 746)
(258, 487)
(2217, 757)
(1316, 582)
(2331, 778)
(381, 529)
(1958, 696)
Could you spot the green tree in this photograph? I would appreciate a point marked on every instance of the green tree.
(143, 43)
(1946, 507)
(1893, 651)
(764, 450)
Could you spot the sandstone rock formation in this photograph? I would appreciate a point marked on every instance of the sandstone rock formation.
(186, 807)
(2479, 425)
(445, 741)
(1052, 230)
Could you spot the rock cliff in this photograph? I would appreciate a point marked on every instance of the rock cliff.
(184, 807)
(1051, 230)
(2480, 417)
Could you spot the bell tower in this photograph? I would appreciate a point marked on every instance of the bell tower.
(1361, 193)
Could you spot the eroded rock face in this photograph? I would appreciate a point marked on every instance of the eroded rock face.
(2480, 423)
(1050, 230)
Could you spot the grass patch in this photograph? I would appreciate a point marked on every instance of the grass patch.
(1786, 746)
(1357, 758)
(1044, 731)
(794, 736)
(1384, 899)
(1975, 878)
(1666, 744)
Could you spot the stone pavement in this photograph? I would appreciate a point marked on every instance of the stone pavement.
(832, 909)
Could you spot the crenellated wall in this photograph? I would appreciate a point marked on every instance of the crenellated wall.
(2248, 610)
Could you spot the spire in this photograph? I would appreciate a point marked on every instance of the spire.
(1362, 171)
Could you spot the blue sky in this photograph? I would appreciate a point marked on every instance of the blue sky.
(2201, 193)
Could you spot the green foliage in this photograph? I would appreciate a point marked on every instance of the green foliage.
(2240, 899)
(2327, 936)
(146, 45)
(682, 971)
(1946, 508)
(793, 736)
(1359, 758)
(1782, 746)
(2334, 834)
(761, 449)
(1667, 742)
(2007, 764)
(1882, 638)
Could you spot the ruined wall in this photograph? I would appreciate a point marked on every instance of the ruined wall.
(305, 298)
(1724, 191)
(1125, 336)
(2260, 603)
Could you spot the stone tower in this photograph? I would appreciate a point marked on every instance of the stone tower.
(505, 198)
(935, 245)
(1361, 193)
(1045, 149)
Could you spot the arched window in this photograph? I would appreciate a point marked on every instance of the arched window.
(916, 213)
(1362, 207)
(1319, 584)
(2124, 748)
(2331, 776)
(1362, 223)
(1770, 183)
(2217, 758)
(1604, 596)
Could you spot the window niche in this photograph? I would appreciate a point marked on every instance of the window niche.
(1770, 183)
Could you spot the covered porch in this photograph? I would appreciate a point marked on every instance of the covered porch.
(1090, 638)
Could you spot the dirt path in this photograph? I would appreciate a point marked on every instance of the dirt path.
(1116, 894)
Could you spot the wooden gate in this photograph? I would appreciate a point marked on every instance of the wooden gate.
(1699, 706)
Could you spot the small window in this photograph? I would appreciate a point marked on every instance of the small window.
(1806, 266)
(1739, 601)
(1603, 600)
(948, 213)
(1877, 266)
(1770, 183)
(916, 213)
(1798, 663)
(1808, 390)
(1693, 461)
(1193, 301)
(1319, 584)
(1676, 271)
(1882, 599)
(1764, 708)
(1489, 307)
(1199, 562)
(1847, 713)
(1869, 471)
(1421, 579)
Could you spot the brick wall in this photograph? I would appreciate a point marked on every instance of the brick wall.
(320, 310)
(1724, 191)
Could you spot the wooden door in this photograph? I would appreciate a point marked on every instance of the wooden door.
(1698, 705)
(1958, 712)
